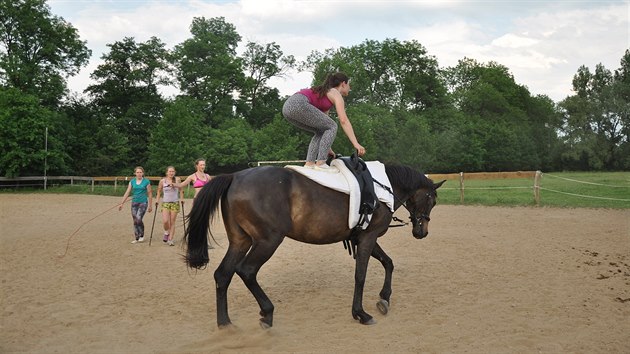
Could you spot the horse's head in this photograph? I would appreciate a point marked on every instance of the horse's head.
(419, 206)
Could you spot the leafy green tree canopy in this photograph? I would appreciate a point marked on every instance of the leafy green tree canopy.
(126, 90)
(38, 51)
(390, 73)
(207, 67)
(259, 103)
(597, 118)
(23, 135)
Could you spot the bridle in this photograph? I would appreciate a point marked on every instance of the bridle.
(424, 217)
(351, 243)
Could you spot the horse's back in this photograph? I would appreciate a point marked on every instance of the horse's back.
(279, 200)
(261, 183)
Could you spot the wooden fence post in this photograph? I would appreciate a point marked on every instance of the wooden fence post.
(461, 187)
(92, 184)
(537, 187)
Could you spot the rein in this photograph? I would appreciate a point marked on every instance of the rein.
(412, 216)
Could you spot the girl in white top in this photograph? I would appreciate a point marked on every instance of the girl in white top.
(173, 195)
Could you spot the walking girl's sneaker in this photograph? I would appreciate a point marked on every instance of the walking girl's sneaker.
(165, 238)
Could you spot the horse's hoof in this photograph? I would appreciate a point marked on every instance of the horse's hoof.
(369, 322)
(226, 326)
(264, 325)
(383, 306)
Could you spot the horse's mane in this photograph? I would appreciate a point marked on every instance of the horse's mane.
(407, 178)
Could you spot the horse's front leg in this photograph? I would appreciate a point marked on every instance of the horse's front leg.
(364, 250)
(386, 291)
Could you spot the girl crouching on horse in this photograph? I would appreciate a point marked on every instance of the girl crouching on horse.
(308, 110)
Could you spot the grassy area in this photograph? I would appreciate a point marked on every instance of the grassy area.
(558, 189)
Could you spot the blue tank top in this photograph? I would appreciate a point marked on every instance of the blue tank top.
(139, 191)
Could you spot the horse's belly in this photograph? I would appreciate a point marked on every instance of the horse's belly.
(320, 238)
(320, 230)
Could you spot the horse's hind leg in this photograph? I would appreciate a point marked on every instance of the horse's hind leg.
(223, 277)
(248, 270)
(386, 291)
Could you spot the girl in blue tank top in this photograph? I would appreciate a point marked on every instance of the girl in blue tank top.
(141, 199)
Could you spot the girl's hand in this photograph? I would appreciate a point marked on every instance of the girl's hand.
(360, 149)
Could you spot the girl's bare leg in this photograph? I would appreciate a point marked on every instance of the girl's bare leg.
(173, 220)
(166, 224)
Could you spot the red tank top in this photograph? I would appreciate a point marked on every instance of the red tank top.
(323, 103)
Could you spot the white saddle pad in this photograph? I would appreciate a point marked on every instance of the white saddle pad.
(344, 181)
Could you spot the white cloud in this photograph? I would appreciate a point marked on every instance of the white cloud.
(286, 10)
(567, 40)
(542, 43)
(451, 41)
(511, 40)
(543, 51)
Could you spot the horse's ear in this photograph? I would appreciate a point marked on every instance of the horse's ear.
(438, 185)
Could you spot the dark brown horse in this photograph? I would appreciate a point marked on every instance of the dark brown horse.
(263, 205)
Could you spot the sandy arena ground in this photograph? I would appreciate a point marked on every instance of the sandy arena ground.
(485, 280)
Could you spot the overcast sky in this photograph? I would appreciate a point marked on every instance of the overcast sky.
(543, 43)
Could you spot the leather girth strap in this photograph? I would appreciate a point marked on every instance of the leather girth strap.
(369, 201)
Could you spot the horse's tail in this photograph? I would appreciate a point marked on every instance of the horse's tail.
(204, 208)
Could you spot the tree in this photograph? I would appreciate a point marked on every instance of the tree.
(620, 103)
(207, 68)
(126, 91)
(546, 122)
(95, 146)
(390, 73)
(23, 136)
(414, 147)
(505, 119)
(179, 138)
(378, 130)
(38, 51)
(229, 145)
(278, 140)
(257, 102)
(597, 118)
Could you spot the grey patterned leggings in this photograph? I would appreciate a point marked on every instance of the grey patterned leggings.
(137, 213)
(299, 112)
